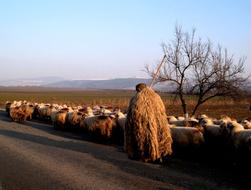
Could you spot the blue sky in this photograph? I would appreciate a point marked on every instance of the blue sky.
(110, 39)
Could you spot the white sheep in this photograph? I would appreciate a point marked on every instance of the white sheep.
(184, 137)
(216, 136)
(246, 124)
(171, 119)
(213, 130)
(53, 114)
(181, 121)
(241, 138)
(177, 122)
(205, 121)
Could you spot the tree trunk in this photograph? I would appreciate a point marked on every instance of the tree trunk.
(196, 107)
(183, 103)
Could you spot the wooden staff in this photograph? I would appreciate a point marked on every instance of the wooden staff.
(158, 69)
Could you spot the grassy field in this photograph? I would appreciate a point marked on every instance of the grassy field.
(114, 98)
(120, 98)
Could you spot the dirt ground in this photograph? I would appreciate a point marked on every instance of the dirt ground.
(35, 156)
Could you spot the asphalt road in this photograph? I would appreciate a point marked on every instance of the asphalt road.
(35, 156)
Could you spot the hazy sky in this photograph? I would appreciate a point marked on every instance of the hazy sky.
(100, 39)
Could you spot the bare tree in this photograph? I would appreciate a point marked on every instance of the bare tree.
(195, 67)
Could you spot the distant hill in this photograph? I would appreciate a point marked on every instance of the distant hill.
(120, 83)
(60, 83)
(40, 81)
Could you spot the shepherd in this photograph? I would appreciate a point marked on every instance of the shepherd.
(147, 133)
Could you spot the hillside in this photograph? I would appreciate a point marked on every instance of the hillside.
(123, 83)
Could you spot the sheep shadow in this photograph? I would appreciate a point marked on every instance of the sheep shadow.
(65, 133)
(175, 170)
(4, 116)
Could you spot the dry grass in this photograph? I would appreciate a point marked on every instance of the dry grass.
(217, 107)
(113, 98)
(120, 98)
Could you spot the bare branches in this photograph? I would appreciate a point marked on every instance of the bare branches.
(196, 67)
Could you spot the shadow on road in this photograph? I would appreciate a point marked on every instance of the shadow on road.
(151, 171)
(182, 173)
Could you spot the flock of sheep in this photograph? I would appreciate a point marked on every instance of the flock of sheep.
(99, 121)
(224, 133)
(108, 124)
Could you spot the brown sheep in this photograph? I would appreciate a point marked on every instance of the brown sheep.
(73, 119)
(19, 113)
(60, 118)
(100, 126)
